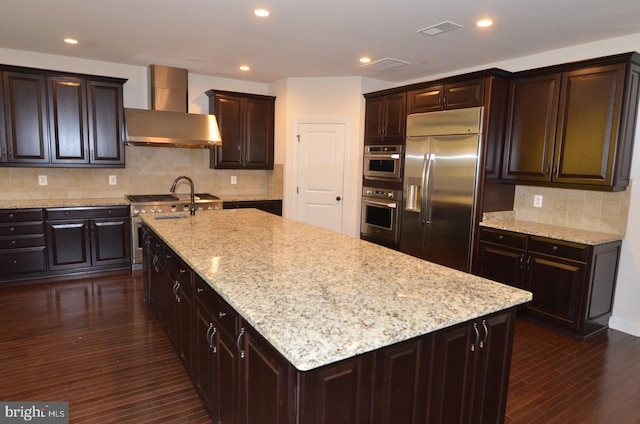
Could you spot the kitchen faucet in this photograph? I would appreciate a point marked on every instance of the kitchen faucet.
(192, 205)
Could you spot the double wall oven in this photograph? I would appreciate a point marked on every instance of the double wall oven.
(157, 203)
(382, 194)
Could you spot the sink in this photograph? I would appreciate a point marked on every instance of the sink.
(172, 216)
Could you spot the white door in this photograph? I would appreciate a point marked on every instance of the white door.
(320, 174)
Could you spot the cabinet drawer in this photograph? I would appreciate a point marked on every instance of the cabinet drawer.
(565, 249)
(87, 213)
(18, 261)
(21, 215)
(505, 238)
(225, 315)
(21, 229)
(22, 241)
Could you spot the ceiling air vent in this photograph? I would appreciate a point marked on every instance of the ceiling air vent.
(440, 28)
(385, 64)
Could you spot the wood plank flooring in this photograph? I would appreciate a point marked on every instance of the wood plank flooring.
(95, 344)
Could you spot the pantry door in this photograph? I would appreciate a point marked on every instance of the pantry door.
(320, 174)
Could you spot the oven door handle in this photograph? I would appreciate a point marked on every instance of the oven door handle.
(378, 156)
(393, 205)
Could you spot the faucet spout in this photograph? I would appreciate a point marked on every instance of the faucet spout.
(192, 204)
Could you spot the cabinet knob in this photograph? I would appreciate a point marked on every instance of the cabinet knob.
(199, 289)
(11, 215)
(554, 248)
(500, 236)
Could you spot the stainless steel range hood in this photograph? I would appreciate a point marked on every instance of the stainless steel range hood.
(167, 123)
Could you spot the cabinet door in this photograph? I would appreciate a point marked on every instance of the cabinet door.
(374, 119)
(385, 118)
(106, 123)
(452, 366)
(68, 244)
(26, 121)
(258, 143)
(228, 377)
(427, 99)
(531, 128)
(464, 94)
(3, 123)
(400, 382)
(501, 263)
(395, 117)
(205, 368)
(588, 121)
(558, 286)
(111, 241)
(267, 397)
(494, 359)
(228, 111)
(68, 120)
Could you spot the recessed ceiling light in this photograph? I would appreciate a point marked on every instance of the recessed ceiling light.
(263, 13)
(244, 68)
(365, 60)
(483, 23)
(71, 41)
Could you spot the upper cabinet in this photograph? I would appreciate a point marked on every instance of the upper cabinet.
(385, 118)
(61, 120)
(573, 125)
(246, 125)
(454, 95)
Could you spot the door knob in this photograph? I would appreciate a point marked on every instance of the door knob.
(338, 198)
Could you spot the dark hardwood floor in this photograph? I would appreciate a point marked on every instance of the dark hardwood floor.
(95, 344)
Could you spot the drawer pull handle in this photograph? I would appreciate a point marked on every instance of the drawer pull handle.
(474, 344)
(486, 334)
(239, 341)
(211, 332)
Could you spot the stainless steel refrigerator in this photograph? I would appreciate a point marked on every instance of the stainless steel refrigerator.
(440, 185)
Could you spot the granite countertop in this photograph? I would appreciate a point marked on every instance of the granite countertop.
(319, 296)
(553, 231)
(62, 203)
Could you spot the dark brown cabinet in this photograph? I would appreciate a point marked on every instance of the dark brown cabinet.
(385, 118)
(246, 125)
(454, 95)
(573, 125)
(457, 374)
(464, 358)
(271, 206)
(572, 284)
(96, 238)
(61, 120)
(23, 250)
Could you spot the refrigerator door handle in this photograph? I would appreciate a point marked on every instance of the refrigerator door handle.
(425, 210)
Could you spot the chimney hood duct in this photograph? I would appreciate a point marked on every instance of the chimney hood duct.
(167, 123)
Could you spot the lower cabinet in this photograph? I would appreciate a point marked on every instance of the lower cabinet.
(455, 375)
(88, 238)
(23, 251)
(573, 284)
(271, 206)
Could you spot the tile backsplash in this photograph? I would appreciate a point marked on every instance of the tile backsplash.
(588, 210)
(148, 170)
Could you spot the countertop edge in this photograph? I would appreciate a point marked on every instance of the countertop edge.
(575, 235)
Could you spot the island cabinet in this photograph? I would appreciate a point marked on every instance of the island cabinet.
(385, 118)
(61, 120)
(454, 95)
(23, 251)
(88, 238)
(455, 374)
(246, 124)
(573, 125)
(573, 284)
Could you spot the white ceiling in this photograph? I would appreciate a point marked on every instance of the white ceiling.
(306, 38)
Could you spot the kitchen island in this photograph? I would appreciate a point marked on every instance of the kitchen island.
(350, 331)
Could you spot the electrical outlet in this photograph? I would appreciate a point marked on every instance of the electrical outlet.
(113, 180)
(537, 201)
(42, 180)
(234, 179)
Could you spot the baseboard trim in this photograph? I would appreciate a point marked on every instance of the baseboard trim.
(628, 327)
